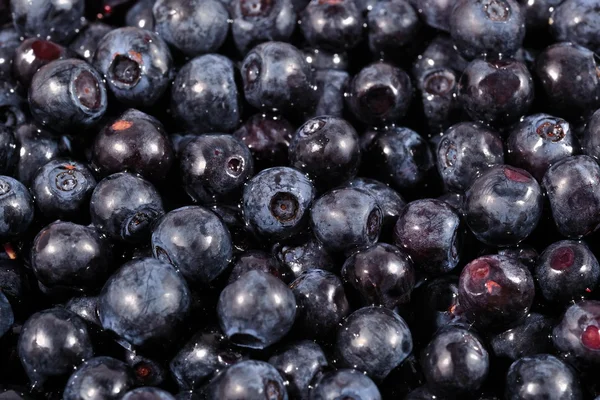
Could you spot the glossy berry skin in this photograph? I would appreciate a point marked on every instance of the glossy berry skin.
(346, 218)
(322, 303)
(38, 146)
(32, 54)
(332, 25)
(205, 97)
(380, 94)
(487, 27)
(62, 189)
(435, 13)
(495, 290)
(530, 336)
(258, 260)
(577, 21)
(136, 65)
(147, 393)
(322, 60)
(431, 233)
(538, 15)
(195, 241)
(70, 255)
(524, 253)
(438, 88)
(465, 151)
(86, 42)
(331, 85)
(7, 317)
(503, 206)
(304, 256)
(541, 376)
(48, 19)
(327, 150)
(439, 54)
(455, 362)
(134, 142)
(144, 302)
(16, 207)
(8, 151)
(381, 274)
(539, 141)
(301, 364)
(345, 383)
(85, 308)
(590, 141)
(436, 302)
(568, 78)
(577, 335)
(276, 202)
(572, 189)
(247, 380)
(257, 310)
(120, 214)
(105, 377)
(67, 344)
(276, 77)
(496, 92)
(140, 15)
(201, 358)
(9, 41)
(392, 25)
(214, 167)
(255, 22)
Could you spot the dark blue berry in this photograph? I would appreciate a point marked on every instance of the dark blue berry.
(16, 208)
(99, 378)
(332, 24)
(48, 19)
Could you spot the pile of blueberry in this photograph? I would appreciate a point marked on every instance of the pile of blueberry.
(299, 199)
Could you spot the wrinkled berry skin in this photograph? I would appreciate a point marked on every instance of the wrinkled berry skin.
(7, 317)
(262, 21)
(16, 208)
(277, 77)
(487, 27)
(503, 206)
(304, 256)
(539, 141)
(261, 261)
(345, 383)
(86, 41)
(62, 189)
(276, 202)
(205, 97)
(327, 150)
(379, 94)
(435, 13)
(70, 255)
(147, 393)
(495, 290)
(214, 166)
(322, 303)
(572, 187)
(332, 25)
(590, 141)
(67, 95)
(577, 335)
(124, 207)
(257, 310)
(32, 54)
(300, 364)
(38, 146)
(531, 336)
(48, 19)
(569, 80)
(144, 302)
(9, 154)
(134, 142)
(331, 85)
(392, 25)
(465, 151)
(496, 92)
(541, 376)
(343, 219)
(136, 65)
(577, 21)
(431, 233)
(455, 362)
(247, 380)
(67, 345)
(195, 241)
(105, 377)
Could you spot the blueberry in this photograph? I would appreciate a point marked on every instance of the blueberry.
(260, 261)
(577, 335)
(345, 384)
(503, 206)
(144, 302)
(572, 189)
(538, 16)
(590, 140)
(205, 97)
(392, 24)
(322, 60)
(9, 41)
(147, 393)
(436, 303)
(455, 200)
(530, 336)
(34, 53)
(85, 308)
(70, 255)
(380, 94)
(52, 344)
(86, 41)
(435, 13)
(251, 380)
(16, 207)
(215, 167)
(99, 378)
(301, 364)
(256, 310)
(322, 303)
(8, 151)
(438, 88)
(124, 206)
(7, 318)
(195, 241)
(439, 54)
(136, 64)
(524, 253)
(327, 150)
(541, 376)
(276, 202)
(374, 340)
(140, 15)
(48, 19)
(62, 189)
(300, 257)
(257, 21)
(13, 111)
(577, 21)
(455, 362)
(495, 291)
(332, 25)
(331, 85)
